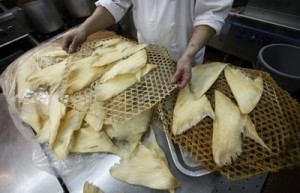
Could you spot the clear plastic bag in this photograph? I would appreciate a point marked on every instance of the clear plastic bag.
(79, 165)
(42, 156)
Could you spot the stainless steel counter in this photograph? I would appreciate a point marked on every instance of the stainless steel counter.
(98, 174)
(17, 172)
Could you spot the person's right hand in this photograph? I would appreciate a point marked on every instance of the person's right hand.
(73, 39)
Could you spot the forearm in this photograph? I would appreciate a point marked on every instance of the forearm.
(99, 20)
(202, 34)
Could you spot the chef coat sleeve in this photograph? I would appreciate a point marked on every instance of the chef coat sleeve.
(211, 13)
(117, 8)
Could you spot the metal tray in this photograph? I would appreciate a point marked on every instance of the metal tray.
(184, 162)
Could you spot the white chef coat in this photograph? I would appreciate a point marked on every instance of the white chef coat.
(170, 23)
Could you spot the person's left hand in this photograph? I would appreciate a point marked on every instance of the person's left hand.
(183, 72)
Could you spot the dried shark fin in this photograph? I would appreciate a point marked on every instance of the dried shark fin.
(51, 76)
(57, 111)
(145, 167)
(228, 126)
(129, 133)
(250, 131)
(203, 76)
(189, 111)
(129, 65)
(122, 50)
(246, 91)
(71, 122)
(90, 188)
(34, 114)
(95, 117)
(119, 83)
(227, 129)
(81, 74)
(87, 140)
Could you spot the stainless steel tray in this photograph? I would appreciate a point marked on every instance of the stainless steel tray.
(184, 162)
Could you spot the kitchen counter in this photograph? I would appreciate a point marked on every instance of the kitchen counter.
(19, 174)
(98, 174)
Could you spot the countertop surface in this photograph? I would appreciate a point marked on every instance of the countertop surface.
(18, 172)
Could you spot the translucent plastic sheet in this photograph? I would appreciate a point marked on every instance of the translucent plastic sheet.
(42, 157)
(155, 87)
(69, 168)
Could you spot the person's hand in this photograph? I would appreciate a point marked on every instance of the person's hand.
(73, 39)
(183, 72)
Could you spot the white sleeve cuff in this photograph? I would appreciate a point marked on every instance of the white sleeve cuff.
(215, 23)
(212, 13)
(117, 8)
